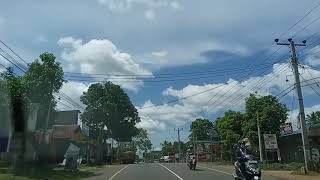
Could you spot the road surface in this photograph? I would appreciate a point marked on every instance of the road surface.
(164, 171)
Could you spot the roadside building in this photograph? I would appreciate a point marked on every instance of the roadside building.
(290, 145)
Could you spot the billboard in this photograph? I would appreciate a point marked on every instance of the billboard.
(286, 129)
(270, 141)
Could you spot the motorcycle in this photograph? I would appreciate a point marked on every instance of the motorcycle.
(192, 162)
(249, 169)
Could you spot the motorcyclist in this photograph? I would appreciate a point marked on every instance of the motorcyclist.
(243, 149)
(191, 157)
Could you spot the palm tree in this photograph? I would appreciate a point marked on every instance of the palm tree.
(313, 118)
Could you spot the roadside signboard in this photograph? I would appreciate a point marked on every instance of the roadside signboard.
(270, 141)
(286, 129)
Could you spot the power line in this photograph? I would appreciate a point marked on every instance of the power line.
(172, 79)
(17, 66)
(13, 51)
(217, 100)
(24, 69)
(161, 75)
(315, 91)
(305, 27)
(303, 17)
(185, 97)
(236, 100)
(318, 5)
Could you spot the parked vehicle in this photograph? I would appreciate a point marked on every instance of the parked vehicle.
(127, 157)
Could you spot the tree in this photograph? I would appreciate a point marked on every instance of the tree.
(229, 129)
(43, 78)
(167, 148)
(313, 119)
(14, 99)
(271, 115)
(200, 129)
(108, 105)
(141, 141)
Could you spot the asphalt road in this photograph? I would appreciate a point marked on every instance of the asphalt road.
(166, 171)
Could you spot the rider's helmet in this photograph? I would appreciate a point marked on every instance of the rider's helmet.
(246, 142)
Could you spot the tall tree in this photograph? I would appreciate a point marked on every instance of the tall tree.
(12, 99)
(43, 78)
(108, 105)
(313, 119)
(229, 129)
(200, 129)
(271, 114)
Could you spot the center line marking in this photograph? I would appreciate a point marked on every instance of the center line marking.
(171, 171)
(119, 171)
(215, 170)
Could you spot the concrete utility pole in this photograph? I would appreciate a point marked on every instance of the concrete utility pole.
(259, 136)
(294, 62)
(178, 130)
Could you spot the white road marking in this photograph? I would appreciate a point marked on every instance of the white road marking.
(171, 171)
(119, 171)
(216, 170)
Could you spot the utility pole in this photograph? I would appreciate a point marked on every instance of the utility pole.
(259, 136)
(294, 62)
(178, 130)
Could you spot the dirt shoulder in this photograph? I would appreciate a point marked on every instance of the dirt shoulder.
(282, 175)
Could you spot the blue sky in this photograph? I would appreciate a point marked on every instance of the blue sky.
(156, 37)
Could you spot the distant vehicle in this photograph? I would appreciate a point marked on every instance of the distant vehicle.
(166, 159)
(127, 157)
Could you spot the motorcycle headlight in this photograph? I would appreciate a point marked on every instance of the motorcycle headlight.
(255, 167)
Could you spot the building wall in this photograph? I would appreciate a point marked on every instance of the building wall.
(66, 117)
(291, 146)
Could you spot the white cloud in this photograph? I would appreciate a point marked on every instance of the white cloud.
(179, 56)
(313, 56)
(74, 90)
(221, 96)
(121, 6)
(293, 117)
(150, 15)
(159, 53)
(41, 39)
(101, 56)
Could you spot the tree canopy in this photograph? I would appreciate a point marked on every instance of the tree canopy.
(43, 78)
(108, 105)
(141, 141)
(200, 129)
(229, 127)
(271, 114)
(167, 148)
(313, 119)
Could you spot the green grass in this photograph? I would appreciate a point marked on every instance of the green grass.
(54, 173)
(281, 166)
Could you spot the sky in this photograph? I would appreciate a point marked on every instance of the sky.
(171, 49)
